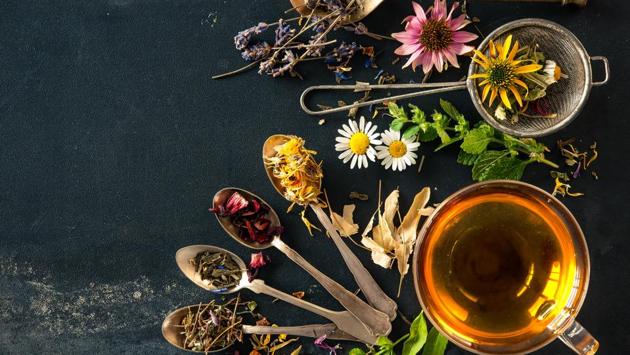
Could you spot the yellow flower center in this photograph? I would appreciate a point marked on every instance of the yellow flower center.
(359, 143)
(397, 149)
(501, 74)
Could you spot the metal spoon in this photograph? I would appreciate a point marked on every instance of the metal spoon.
(344, 320)
(372, 291)
(172, 330)
(365, 8)
(375, 320)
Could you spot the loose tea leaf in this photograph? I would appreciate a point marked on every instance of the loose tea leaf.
(218, 269)
(212, 326)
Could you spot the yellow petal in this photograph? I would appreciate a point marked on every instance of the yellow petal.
(493, 49)
(505, 99)
(513, 52)
(517, 95)
(481, 63)
(520, 83)
(478, 76)
(506, 47)
(486, 91)
(531, 68)
(485, 82)
(493, 96)
(482, 57)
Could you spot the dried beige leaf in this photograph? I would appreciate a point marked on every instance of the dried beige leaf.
(408, 230)
(379, 255)
(345, 224)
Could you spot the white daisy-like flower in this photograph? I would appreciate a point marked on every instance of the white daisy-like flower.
(396, 152)
(356, 143)
(553, 72)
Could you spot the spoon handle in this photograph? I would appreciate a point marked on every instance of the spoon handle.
(330, 330)
(345, 321)
(376, 321)
(372, 291)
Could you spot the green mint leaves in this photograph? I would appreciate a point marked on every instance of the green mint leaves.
(491, 154)
(431, 343)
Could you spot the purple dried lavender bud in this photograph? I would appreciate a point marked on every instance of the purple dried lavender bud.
(256, 52)
(241, 40)
(321, 26)
(266, 66)
(341, 54)
(284, 33)
(358, 29)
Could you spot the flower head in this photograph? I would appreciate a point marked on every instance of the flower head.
(356, 142)
(434, 38)
(396, 152)
(501, 72)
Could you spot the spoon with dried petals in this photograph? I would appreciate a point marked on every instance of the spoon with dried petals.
(375, 320)
(372, 291)
(344, 320)
(172, 330)
(365, 7)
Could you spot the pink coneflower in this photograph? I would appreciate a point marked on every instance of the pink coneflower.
(434, 37)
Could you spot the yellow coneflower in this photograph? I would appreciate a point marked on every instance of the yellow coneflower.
(501, 72)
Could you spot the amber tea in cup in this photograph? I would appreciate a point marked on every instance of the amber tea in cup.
(502, 267)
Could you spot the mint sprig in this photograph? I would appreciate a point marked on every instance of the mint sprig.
(491, 154)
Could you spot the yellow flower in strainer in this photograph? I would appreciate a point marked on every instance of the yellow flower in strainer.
(501, 73)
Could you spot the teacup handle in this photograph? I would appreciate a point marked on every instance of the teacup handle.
(579, 339)
(604, 60)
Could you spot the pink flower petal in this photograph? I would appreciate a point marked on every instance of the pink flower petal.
(438, 61)
(439, 9)
(427, 62)
(463, 36)
(453, 8)
(458, 23)
(450, 57)
(412, 59)
(406, 37)
(407, 49)
(420, 14)
(459, 48)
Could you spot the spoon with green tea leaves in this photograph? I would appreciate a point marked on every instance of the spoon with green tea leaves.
(356, 9)
(296, 176)
(252, 222)
(229, 275)
(212, 327)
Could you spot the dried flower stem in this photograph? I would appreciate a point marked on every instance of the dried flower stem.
(299, 46)
(239, 70)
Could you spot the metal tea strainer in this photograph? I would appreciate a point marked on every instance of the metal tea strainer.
(566, 98)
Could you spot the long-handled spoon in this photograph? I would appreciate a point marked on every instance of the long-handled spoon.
(344, 320)
(372, 291)
(377, 321)
(172, 329)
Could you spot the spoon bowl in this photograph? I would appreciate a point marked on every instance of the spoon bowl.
(365, 8)
(171, 329)
(268, 151)
(233, 231)
(183, 256)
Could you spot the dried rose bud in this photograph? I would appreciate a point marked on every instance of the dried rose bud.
(258, 260)
(235, 203)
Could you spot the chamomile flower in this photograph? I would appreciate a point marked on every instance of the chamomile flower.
(356, 143)
(396, 152)
(553, 72)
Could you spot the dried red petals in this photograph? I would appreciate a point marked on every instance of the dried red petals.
(250, 216)
(258, 260)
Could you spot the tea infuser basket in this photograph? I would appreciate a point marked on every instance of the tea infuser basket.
(565, 98)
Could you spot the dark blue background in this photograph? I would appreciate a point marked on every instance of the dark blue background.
(113, 138)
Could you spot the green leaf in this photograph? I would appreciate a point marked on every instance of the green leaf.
(477, 140)
(397, 124)
(427, 132)
(418, 115)
(532, 145)
(356, 351)
(467, 158)
(436, 343)
(384, 342)
(397, 111)
(417, 336)
(411, 132)
(440, 123)
(451, 111)
(485, 161)
(492, 165)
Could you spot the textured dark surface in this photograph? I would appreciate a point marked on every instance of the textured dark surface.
(114, 138)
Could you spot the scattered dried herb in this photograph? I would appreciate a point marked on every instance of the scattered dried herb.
(358, 196)
(577, 162)
(212, 326)
(250, 216)
(491, 154)
(218, 269)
